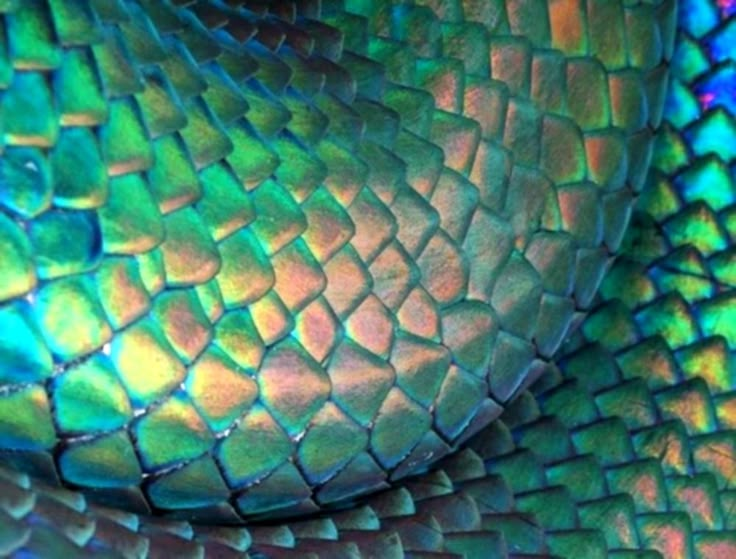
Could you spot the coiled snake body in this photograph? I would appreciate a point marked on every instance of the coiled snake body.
(262, 259)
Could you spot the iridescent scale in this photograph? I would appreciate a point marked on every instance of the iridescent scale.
(185, 337)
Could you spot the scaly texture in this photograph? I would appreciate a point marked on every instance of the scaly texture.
(624, 449)
(262, 257)
(627, 448)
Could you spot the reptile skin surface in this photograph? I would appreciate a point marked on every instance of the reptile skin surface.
(264, 257)
(624, 445)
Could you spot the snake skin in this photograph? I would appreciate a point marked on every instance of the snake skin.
(259, 258)
(623, 448)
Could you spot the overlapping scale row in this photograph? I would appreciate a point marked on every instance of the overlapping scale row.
(623, 449)
(262, 257)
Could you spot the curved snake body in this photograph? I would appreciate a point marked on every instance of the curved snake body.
(624, 444)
